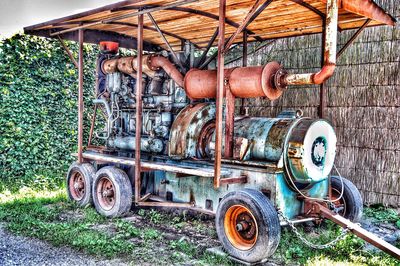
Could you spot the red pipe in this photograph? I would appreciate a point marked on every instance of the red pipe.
(150, 63)
(169, 68)
(243, 82)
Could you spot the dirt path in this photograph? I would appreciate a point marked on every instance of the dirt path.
(17, 250)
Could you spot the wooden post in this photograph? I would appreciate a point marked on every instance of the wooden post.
(139, 88)
(80, 96)
(220, 93)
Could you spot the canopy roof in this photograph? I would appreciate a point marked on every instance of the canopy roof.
(197, 20)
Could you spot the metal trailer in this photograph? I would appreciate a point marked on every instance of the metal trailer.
(169, 139)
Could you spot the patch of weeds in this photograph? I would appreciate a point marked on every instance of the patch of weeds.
(37, 215)
(151, 234)
(213, 259)
(126, 229)
(183, 246)
(155, 217)
(382, 214)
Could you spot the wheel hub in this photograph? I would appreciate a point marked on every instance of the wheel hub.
(241, 227)
(105, 193)
(77, 186)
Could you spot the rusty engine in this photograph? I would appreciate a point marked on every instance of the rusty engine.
(179, 122)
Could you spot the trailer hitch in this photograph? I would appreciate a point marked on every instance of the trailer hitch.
(356, 229)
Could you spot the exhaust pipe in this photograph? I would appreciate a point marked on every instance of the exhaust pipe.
(150, 63)
(284, 79)
(243, 82)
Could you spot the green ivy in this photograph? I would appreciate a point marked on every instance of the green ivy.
(38, 113)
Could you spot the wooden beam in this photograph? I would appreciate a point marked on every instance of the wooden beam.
(66, 49)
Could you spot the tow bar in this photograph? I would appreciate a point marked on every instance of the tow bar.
(318, 208)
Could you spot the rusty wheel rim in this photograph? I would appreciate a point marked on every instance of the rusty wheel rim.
(341, 203)
(105, 193)
(77, 186)
(241, 227)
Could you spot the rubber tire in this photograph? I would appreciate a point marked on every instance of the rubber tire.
(123, 192)
(269, 229)
(351, 196)
(88, 172)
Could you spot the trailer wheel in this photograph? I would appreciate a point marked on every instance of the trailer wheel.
(112, 192)
(248, 225)
(79, 183)
(351, 203)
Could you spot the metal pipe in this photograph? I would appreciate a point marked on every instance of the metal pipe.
(220, 93)
(329, 53)
(244, 82)
(129, 143)
(150, 63)
(80, 97)
(139, 102)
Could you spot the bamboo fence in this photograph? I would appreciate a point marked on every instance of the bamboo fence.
(363, 102)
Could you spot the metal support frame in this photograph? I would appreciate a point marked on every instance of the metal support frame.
(80, 97)
(357, 230)
(351, 40)
(220, 93)
(177, 61)
(244, 64)
(209, 45)
(138, 125)
(251, 15)
(68, 52)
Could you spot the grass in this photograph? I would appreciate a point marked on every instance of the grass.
(49, 216)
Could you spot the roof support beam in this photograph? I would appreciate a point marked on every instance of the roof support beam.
(251, 15)
(177, 61)
(193, 11)
(210, 43)
(66, 49)
(351, 40)
(140, 12)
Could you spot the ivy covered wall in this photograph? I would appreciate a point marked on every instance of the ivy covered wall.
(38, 107)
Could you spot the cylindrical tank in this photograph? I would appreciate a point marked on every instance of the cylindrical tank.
(244, 82)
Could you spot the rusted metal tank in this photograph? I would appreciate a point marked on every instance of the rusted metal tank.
(243, 82)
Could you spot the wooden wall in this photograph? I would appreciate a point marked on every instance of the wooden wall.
(363, 102)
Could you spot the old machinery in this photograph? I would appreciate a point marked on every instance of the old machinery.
(170, 134)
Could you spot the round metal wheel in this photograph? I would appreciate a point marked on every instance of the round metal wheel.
(77, 186)
(105, 190)
(241, 227)
(79, 182)
(248, 225)
(112, 192)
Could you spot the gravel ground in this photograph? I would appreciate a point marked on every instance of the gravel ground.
(17, 250)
